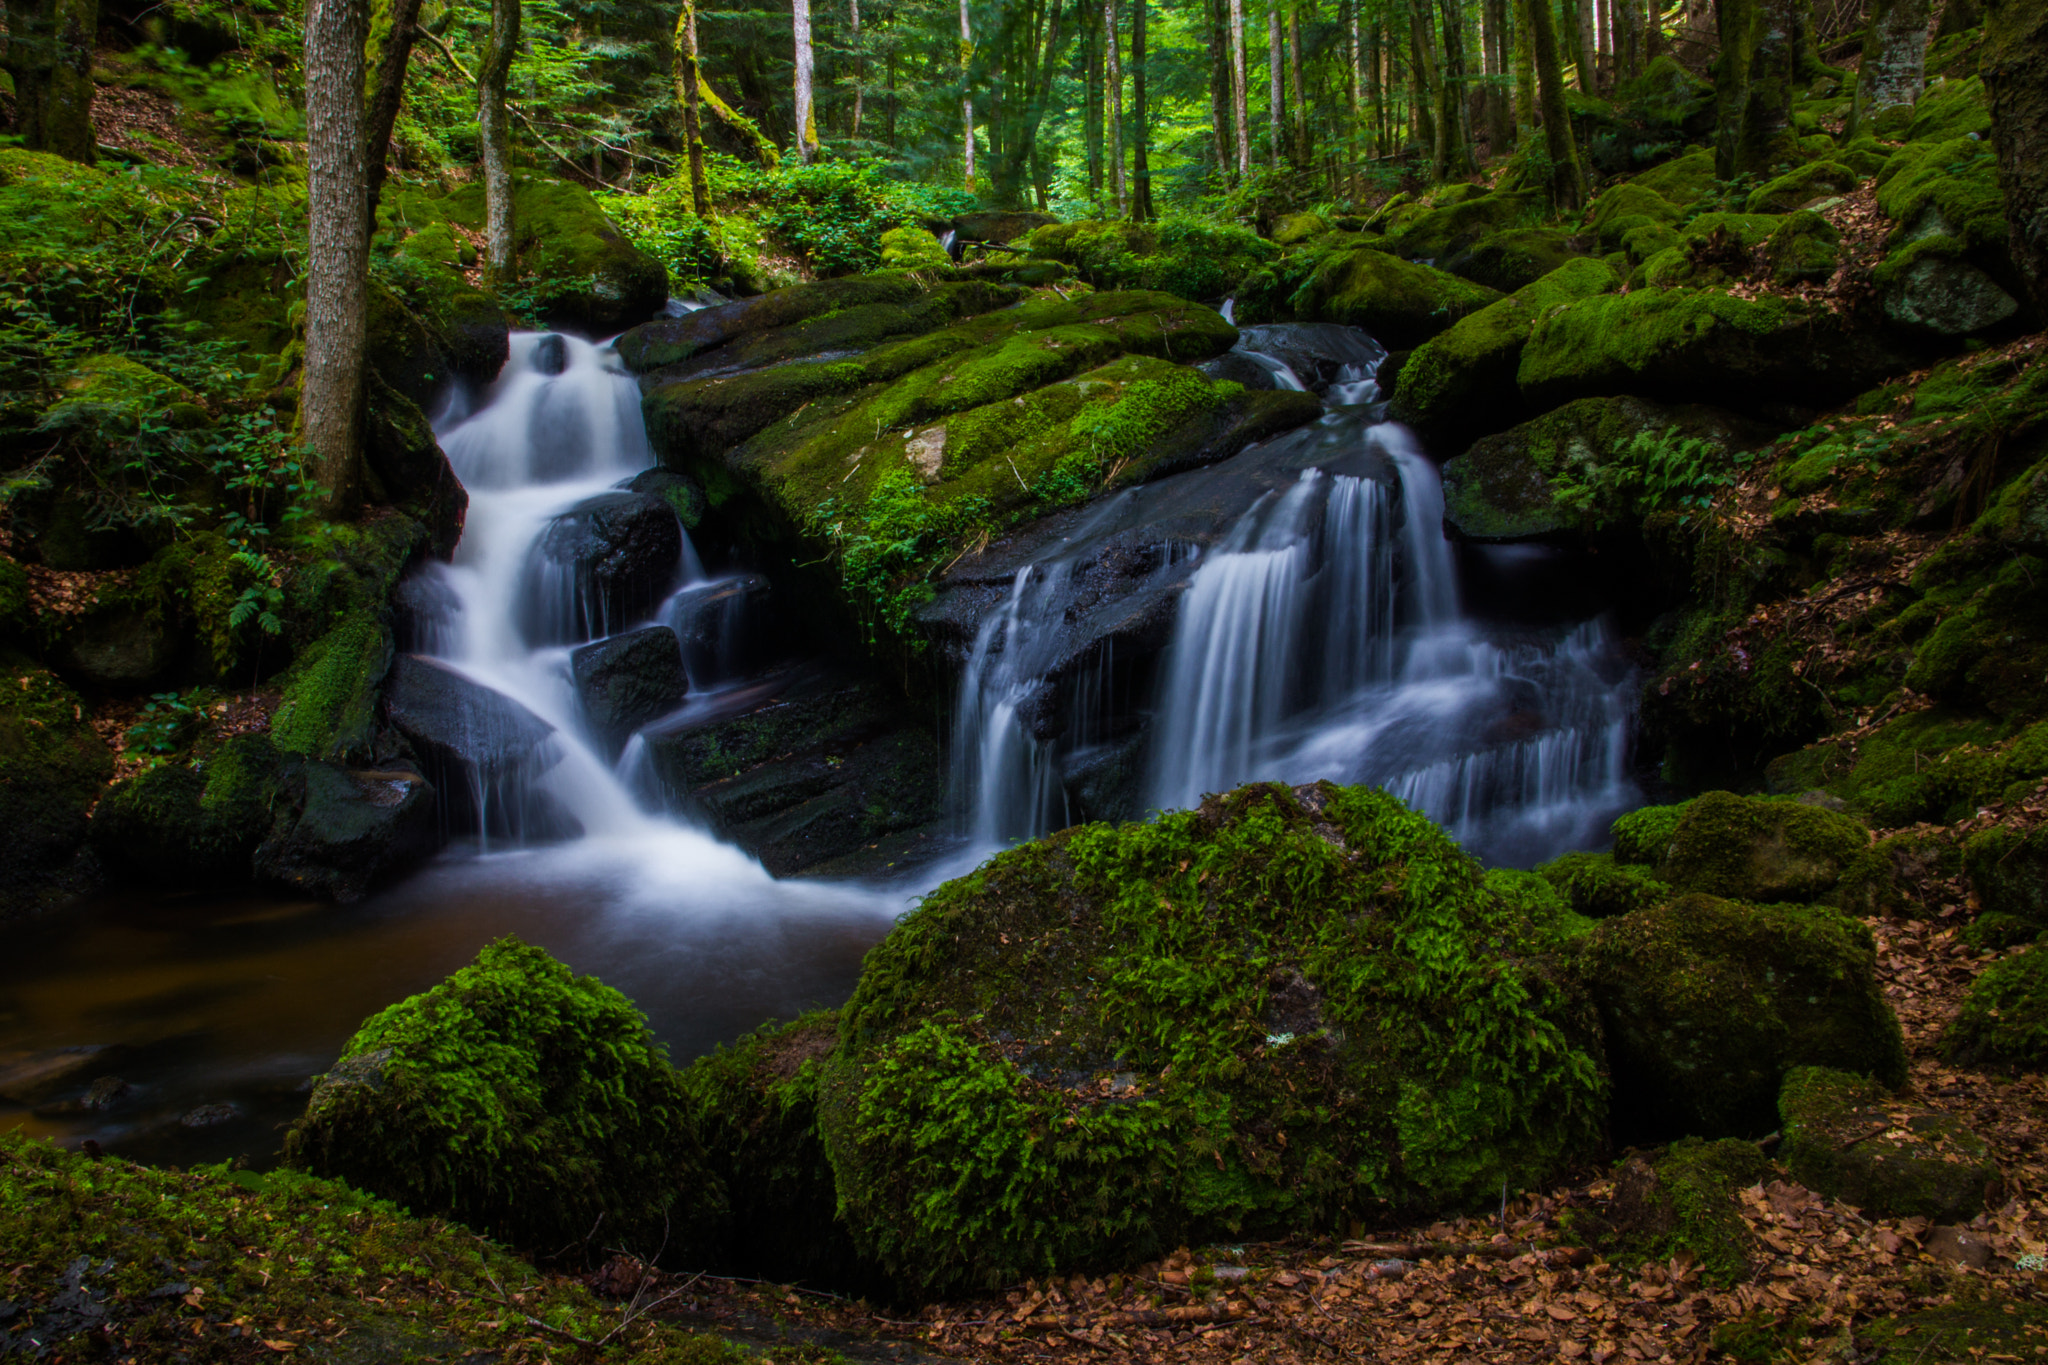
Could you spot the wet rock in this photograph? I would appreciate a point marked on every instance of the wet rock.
(683, 494)
(602, 565)
(728, 626)
(1239, 368)
(670, 341)
(1401, 304)
(1848, 1138)
(106, 1092)
(1707, 1004)
(352, 831)
(1947, 297)
(210, 1115)
(122, 642)
(408, 468)
(627, 680)
(480, 748)
(193, 825)
(26, 1078)
(551, 354)
(1319, 353)
(426, 614)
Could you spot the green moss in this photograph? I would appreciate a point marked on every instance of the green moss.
(1682, 180)
(1689, 1202)
(1750, 849)
(1599, 887)
(1991, 649)
(1514, 257)
(1797, 188)
(913, 248)
(170, 1260)
(1444, 232)
(329, 708)
(2009, 871)
(1950, 110)
(1896, 876)
(2004, 1018)
(1642, 836)
(1969, 1330)
(522, 1099)
(1707, 1003)
(1199, 987)
(1400, 303)
(1847, 1138)
(192, 824)
(1943, 189)
(1997, 931)
(1193, 258)
(1803, 250)
(1626, 206)
(52, 768)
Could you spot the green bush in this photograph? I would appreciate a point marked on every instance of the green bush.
(2004, 1019)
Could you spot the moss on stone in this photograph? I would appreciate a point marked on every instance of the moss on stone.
(1943, 189)
(1991, 649)
(329, 707)
(193, 824)
(1438, 236)
(52, 769)
(1846, 1137)
(1951, 109)
(2004, 1018)
(1687, 1201)
(1803, 249)
(1597, 886)
(1271, 964)
(1509, 259)
(1627, 206)
(1752, 849)
(1401, 304)
(1973, 1328)
(2009, 872)
(1894, 876)
(1707, 1003)
(1802, 186)
(524, 1100)
(913, 248)
(1682, 181)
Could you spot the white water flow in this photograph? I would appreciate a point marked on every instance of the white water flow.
(1006, 777)
(561, 425)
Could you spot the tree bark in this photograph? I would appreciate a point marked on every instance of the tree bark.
(1525, 68)
(1240, 105)
(1894, 67)
(1584, 52)
(1141, 120)
(1567, 179)
(1113, 103)
(49, 55)
(966, 99)
(1276, 100)
(387, 89)
(1753, 87)
(1354, 142)
(2015, 71)
(337, 256)
(860, 66)
(1454, 112)
(1423, 79)
(1219, 88)
(1092, 107)
(1500, 114)
(494, 121)
(806, 114)
(689, 76)
(1297, 103)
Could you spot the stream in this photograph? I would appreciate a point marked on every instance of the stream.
(1322, 634)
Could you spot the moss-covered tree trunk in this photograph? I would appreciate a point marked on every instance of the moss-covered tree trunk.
(688, 75)
(1753, 79)
(494, 122)
(1583, 51)
(49, 57)
(2015, 69)
(1567, 178)
(1525, 69)
(1500, 114)
(1092, 134)
(393, 27)
(806, 114)
(1141, 120)
(1219, 87)
(966, 97)
(1894, 68)
(338, 253)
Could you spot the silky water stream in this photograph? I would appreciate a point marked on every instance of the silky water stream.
(216, 1013)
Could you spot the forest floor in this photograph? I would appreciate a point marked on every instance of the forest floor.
(1828, 1282)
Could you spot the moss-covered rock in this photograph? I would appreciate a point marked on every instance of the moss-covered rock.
(1951, 109)
(526, 1101)
(1682, 180)
(1400, 303)
(1802, 186)
(1509, 259)
(1277, 962)
(1193, 258)
(1848, 1138)
(1687, 1201)
(329, 708)
(2004, 1019)
(52, 769)
(1460, 384)
(1751, 849)
(1947, 266)
(913, 248)
(2009, 871)
(1296, 228)
(1707, 1003)
(1443, 233)
(193, 824)
(1627, 206)
(1673, 343)
(1803, 249)
(1970, 1329)
(338, 834)
(1597, 886)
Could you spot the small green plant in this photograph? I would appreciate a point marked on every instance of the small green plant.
(164, 724)
(1653, 472)
(889, 546)
(263, 599)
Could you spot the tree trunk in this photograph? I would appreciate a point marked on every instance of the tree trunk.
(765, 150)
(1894, 67)
(1276, 101)
(1092, 134)
(1567, 180)
(1585, 53)
(1141, 120)
(860, 65)
(1454, 112)
(337, 255)
(1298, 105)
(1525, 68)
(1113, 102)
(1219, 89)
(806, 115)
(688, 76)
(49, 55)
(1500, 114)
(494, 121)
(1240, 105)
(1354, 146)
(966, 99)
(1753, 87)
(2015, 70)
(1425, 84)
(393, 45)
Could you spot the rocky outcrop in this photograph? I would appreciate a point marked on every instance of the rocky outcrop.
(341, 833)
(606, 562)
(626, 680)
(1848, 1138)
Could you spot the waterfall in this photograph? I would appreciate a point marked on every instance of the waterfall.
(1003, 776)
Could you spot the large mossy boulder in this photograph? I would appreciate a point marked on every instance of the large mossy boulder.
(1848, 1138)
(1268, 1014)
(1743, 847)
(1682, 344)
(1514, 257)
(1461, 383)
(1442, 234)
(1686, 1201)
(1976, 1327)
(329, 705)
(193, 824)
(2009, 872)
(529, 1102)
(2004, 1018)
(1707, 1003)
(52, 769)
(1400, 303)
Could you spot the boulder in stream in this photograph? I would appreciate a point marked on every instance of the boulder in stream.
(480, 749)
(1218, 1025)
(627, 680)
(1400, 303)
(601, 565)
(528, 1102)
(350, 831)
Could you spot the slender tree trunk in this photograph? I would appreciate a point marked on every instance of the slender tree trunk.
(1141, 120)
(392, 40)
(49, 55)
(1423, 80)
(1297, 104)
(1500, 116)
(1219, 89)
(966, 99)
(889, 103)
(1240, 105)
(1584, 55)
(1753, 87)
(1525, 68)
(337, 255)
(1567, 179)
(860, 65)
(2015, 69)
(1276, 102)
(1092, 124)
(688, 76)
(1113, 101)
(806, 115)
(1455, 112)
(1353, 142)
(494, 121)
(1894, 67)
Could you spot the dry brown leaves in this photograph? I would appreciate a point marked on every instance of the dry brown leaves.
(145, 123)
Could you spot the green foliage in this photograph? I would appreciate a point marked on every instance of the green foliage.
(887, 546)
(1200, 986)
(164, 725)
(1652, 473)
(2004, 1019)
(523, 1099)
